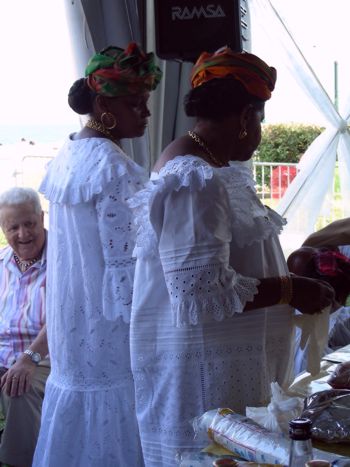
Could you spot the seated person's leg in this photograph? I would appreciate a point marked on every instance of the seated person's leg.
(23, 416)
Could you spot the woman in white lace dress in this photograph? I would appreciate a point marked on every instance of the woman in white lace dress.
(88, 417)
(211, 322)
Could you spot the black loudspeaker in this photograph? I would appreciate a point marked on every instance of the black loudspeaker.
(185, 28)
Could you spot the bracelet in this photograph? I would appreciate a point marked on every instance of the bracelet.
(286, 290)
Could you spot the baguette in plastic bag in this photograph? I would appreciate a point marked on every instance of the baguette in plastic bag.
(248, 440)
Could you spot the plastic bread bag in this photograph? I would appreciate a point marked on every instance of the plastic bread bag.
(282, 408)
(246, 439)
(243, 437)
(340, 379)
(330, 414)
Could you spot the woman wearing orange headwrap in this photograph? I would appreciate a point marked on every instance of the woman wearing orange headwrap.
(213, 300)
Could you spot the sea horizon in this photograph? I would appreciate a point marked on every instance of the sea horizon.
(36, 133)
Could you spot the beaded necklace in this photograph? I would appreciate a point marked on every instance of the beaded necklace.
(24, 265)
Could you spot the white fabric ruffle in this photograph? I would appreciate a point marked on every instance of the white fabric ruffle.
(197, 296)
(251, 222)
(146, 239)
(183, 171)
(80, 428)
(70, 179)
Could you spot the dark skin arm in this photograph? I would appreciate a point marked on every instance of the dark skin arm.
(335, 234)
(309, 295)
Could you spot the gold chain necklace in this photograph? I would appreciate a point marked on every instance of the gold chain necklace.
(24, 265)
(203, 145)
(95, 125)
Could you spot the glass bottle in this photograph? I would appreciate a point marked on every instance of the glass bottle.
(318, 463)
(301, 446)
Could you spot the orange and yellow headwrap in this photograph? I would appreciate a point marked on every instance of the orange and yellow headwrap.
(256, 76)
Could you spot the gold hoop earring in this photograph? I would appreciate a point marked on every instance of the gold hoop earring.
(242, 134)
(108, 116)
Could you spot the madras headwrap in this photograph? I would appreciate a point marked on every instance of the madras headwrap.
(256, 76)
(116, 72)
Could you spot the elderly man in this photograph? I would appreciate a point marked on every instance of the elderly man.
(24, 365)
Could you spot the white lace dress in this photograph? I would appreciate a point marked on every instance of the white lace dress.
(88, 417)
(203, 239)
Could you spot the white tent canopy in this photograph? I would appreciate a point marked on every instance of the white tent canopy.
(305, 196)
(94, 25)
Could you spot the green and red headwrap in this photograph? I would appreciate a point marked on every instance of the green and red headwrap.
(256, 76)
(116, 72)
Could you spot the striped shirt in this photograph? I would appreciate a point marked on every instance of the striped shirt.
(22, 305)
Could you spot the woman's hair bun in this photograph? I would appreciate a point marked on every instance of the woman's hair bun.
(80, 97)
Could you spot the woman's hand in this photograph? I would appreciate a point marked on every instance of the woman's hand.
(311, 296)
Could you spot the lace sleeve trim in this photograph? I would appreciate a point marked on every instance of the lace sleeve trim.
(83, 168)
(211, 292)
(182, 171)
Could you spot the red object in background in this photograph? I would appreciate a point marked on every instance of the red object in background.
(281, 177)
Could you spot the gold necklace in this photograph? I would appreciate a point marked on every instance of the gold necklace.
(203, 145)
(95, 125)
(24, 265)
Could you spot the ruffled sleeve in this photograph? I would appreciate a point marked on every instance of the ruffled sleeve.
(188, 172)
(83, 168)
(189, 221)
(96, 172)
(117, 235)
(117, 238)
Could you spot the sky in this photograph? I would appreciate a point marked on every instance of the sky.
(320, 29)
(38, 67)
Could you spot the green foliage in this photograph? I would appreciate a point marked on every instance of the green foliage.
(3, 241)
(285, 142)
(2, 425)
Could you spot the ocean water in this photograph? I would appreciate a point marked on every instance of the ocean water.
(10, 134)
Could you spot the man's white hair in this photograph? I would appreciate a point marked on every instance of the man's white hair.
(20, 195)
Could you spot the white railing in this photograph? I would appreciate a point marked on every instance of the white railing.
(273, 178)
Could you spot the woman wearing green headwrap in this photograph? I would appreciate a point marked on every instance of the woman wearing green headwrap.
(88, 414)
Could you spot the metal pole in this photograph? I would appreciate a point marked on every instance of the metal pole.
(336, 84)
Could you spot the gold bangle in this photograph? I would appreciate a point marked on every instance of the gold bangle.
(286, 290)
